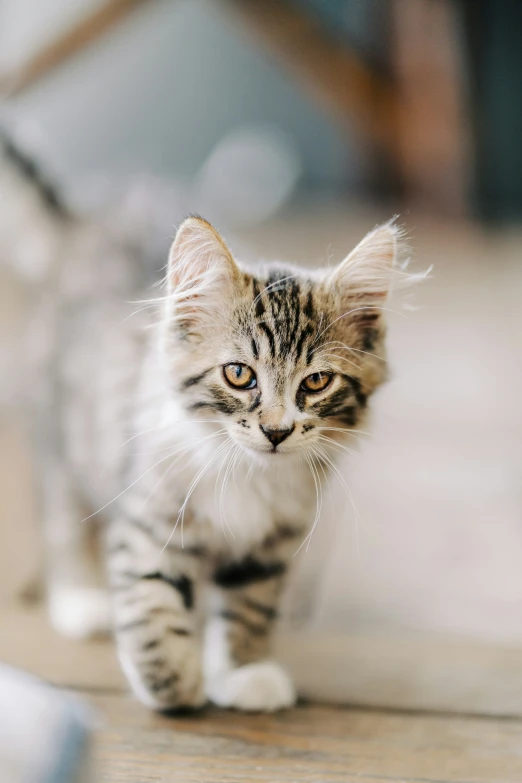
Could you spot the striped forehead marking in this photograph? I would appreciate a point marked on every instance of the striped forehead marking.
(285, 313)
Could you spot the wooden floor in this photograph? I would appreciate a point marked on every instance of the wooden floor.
(310, 743)
(313, 742)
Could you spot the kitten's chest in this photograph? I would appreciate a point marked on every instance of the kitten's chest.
(241, 507)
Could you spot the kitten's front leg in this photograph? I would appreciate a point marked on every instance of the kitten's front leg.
(154, 596)
(238, 670)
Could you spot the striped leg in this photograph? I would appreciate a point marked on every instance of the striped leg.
(156, 625)
(237, 644)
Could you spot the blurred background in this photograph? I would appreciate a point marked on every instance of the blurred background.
(297, 125)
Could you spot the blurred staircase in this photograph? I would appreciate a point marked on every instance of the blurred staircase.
(386, 70)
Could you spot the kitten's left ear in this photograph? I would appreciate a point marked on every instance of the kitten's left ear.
(201, 273)
(198, 255)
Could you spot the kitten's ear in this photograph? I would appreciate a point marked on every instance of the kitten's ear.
(367, 272)
(201, 272)
(363, 280)
(198, 254)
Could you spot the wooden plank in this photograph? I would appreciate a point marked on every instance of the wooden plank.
(307, 744)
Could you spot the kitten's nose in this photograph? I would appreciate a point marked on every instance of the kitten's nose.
(276, 436)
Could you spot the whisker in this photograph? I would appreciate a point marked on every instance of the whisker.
(198, 479)
(189, 446)
(237, 464)
(166, 425)
(347, 431)
(320, 508)
(318, 505)
(350, 348)
(191, 489)
(126, 488)
(340, 446)
(135, 312)
(355, 310)
(337, 356)
(335, 471)
(231, 454)
(250, 471)
(224, 464)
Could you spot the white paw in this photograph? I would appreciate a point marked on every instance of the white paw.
(80, 612)
(256, 687)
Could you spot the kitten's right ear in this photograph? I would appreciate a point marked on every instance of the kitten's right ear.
(201, 272)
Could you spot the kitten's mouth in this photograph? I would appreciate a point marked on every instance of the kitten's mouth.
(277, 450)
(270, 452)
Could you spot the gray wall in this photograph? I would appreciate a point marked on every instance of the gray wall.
(160, 90)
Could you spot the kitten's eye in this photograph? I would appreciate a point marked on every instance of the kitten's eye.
(240, 376)
(316, 382)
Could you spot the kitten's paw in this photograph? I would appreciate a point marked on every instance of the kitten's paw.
(80, 612)
(164, 688)
(256, 687)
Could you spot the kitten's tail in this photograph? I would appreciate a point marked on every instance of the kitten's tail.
(29, 171)
(33, 215)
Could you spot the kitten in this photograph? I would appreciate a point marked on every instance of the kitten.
(202, 441)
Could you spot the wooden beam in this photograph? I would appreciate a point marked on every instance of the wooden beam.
(338, 79)
(70, 43)
(413, 115)
(432, 139)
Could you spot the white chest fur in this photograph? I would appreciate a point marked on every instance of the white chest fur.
(242, 506)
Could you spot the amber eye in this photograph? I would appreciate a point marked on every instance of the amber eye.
(316, 382)
(240, 376)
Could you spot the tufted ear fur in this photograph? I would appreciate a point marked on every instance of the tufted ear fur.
(201, 274)
(367, 272)
(363, 280)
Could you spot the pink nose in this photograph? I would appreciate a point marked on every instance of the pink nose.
(276, 436)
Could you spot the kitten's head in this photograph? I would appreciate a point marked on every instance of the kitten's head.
(279, 355)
